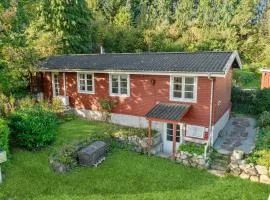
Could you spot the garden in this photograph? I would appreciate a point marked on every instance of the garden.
(123, 175)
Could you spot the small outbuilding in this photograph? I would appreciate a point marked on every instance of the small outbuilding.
(265, 79)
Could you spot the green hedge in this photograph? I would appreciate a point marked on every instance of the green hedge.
(33, 128)
(4, 135)
(251, 102)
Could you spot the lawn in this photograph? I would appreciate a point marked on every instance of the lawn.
(123, 175)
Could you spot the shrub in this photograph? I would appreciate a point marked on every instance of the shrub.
(33, 128)
(264, 119)
(263, 139)
(125, 132)
(192, 148)
(106, 106)
(4, 135)
(262, 101)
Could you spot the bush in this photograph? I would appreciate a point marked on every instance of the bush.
(264, 119)
(33, 128)
(247, 79)
(4, 135)
(192, 148)
(251, 102)
(125, 132)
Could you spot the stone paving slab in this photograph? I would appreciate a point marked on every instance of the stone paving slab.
(239, 133)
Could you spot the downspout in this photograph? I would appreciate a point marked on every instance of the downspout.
(64, 77)
(210, 116)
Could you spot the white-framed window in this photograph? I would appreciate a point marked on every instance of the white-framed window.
(119, 85)
(183, 88)
(169, 132)
(55, 84)
(195, 131)
(86, 83)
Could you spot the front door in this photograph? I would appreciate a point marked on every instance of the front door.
(55, 84)
(168, 137)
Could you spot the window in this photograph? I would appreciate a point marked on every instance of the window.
(195, 131)
(85, 82)
(183, 88)
(56, 84)
(119, 85)
(170, 132)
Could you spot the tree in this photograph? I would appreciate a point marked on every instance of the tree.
(68, 21)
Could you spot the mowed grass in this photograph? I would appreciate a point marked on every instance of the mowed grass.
(123, 175)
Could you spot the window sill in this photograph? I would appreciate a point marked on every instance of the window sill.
(119, 95)
(184, 100)
(83, 92)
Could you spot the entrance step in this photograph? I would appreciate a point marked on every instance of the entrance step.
(219, 161)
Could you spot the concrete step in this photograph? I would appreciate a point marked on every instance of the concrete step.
(219, 167)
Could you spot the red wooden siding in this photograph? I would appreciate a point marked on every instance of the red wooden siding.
(222, 96)
(143, 95)
(265, 80)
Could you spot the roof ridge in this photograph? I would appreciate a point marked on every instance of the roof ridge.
(145, 53)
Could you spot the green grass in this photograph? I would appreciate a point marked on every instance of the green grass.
(123, 175)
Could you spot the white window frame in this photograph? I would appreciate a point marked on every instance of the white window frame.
(172, 98)
(85, 82)
(119, 87)
(195, 128)
(53, 84)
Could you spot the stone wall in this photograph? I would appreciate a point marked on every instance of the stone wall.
(190, 159)
(244, 170)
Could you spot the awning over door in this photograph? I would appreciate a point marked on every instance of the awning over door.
(168, 112)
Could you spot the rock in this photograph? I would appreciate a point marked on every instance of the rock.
(201, 162)
(265, 179)
(243, 166)
(251, 171)
(255, 178)
(262, 170)
(185, 162)
(178, 160)
(193, 164)
(236, 171)
(183, 156)
(243, 175)
(233, 165)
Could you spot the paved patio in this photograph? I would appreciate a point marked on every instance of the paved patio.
(239, 133)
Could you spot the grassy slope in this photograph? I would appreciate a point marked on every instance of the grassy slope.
(124, 175)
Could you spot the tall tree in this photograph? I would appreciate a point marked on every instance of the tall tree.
(70, 23)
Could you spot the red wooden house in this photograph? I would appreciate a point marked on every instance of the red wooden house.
(185, 96)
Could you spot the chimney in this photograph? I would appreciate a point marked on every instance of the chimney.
(102, 51)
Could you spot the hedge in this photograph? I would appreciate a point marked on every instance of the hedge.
(4, 135)
(251, 101)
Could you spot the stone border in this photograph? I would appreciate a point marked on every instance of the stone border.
(191, 159)
(249, 171)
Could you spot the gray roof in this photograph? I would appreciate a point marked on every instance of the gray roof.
(198, 62)
(168, 111)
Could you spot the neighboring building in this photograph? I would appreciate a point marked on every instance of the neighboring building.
(265, 79)
(185, 96)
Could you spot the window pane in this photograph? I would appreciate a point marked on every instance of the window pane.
(114, 78)
(169, 126)
(123, 77)
(177, 80)
(89, 82)
(177, 139)
(123, 90)
(89, 76)
(189, 95)
(81, 76)
(115, 90)
(169, 138)
(177, 94)
(189, 88)
(177, 87)
(189, 80)
(89, 88)
(82, 87)
(114, 84)
(123, 84)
